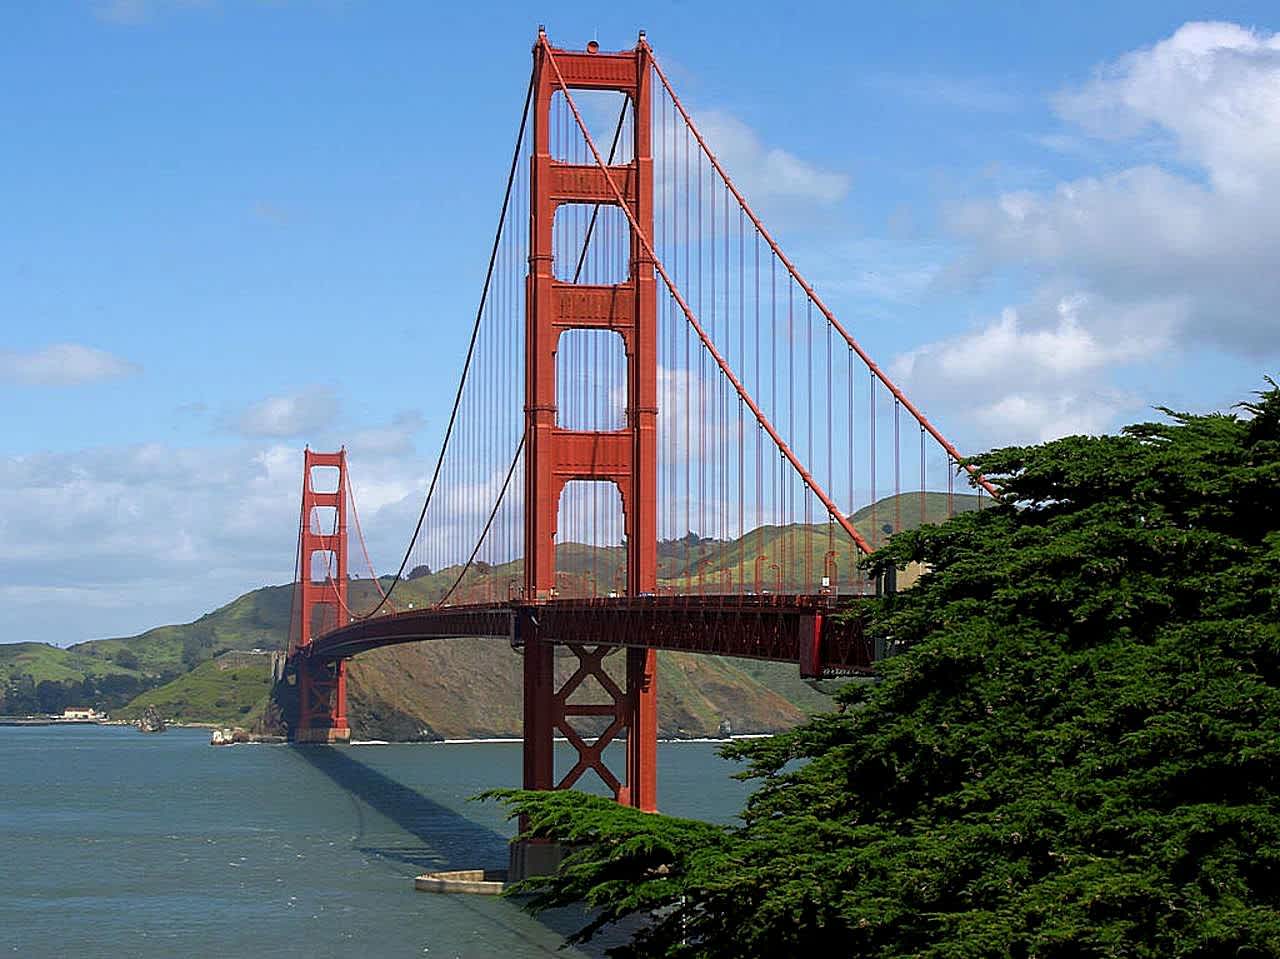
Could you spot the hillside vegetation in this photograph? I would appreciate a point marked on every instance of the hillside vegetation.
(108, 673)
(38, 678)
(464, 688)
(1076, 754)
(213, 692)
(450, 689)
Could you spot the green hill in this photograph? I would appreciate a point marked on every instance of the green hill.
(464, 688)
(39, 678)
(230, 690)
(108, 673)
(794, 557)
(256, 620)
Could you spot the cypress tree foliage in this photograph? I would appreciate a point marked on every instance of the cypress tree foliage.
(1078, 754)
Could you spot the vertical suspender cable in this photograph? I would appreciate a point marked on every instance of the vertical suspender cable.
(897, 468)
(466, 366)
(708, 346)
(872, 367)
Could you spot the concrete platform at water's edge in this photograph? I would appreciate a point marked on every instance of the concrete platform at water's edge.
(529, 857)
(478, 882)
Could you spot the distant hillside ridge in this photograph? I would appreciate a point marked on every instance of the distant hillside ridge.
(451, 688)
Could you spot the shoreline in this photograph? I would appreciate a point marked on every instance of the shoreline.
(38, 721)
(558, 739)
(477, 741)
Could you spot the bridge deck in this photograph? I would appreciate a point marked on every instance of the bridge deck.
(799, 629)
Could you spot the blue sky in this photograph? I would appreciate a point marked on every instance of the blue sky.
(230, 228)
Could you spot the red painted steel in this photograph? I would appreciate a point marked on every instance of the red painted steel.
(556, 456)
(320, 606)
(809, 290)
(797, 629)
(642, 237)
(795, 626)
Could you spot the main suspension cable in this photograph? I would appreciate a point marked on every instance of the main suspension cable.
(708, 346)
(497, 504)
(471, 347)
(977, 478)
(577, 273)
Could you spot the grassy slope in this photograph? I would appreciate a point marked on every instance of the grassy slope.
(799, 551)
(258, 619)
(460, 688)
(209, 694)
(467, 692)
(42, 662)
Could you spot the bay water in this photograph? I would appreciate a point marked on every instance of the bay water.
(114, 843)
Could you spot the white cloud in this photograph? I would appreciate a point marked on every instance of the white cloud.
(1174, 252)
(63, 364)
(762, 172)
(1212, 88)
(120, 539)
(765, 173)
(1035, 374)
(290, 415)
(1148, 235)
(1208, 238)
(1037, 417)
(691, 406)
(395, 438)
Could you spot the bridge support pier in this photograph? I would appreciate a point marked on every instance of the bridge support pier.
(641, 788)
(322, 703)
(629, 713)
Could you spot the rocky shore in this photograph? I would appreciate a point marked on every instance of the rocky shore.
(228, 736)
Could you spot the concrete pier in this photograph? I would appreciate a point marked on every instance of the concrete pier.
(534, 857)
(476, 882)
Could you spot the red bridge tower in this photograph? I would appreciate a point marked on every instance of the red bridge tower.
(555, 456)
(320, 603)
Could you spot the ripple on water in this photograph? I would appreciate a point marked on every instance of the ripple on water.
(114, 843)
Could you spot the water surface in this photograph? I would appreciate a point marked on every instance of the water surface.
(113, 843)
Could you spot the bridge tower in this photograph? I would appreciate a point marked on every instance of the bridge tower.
(555, 456)
(320, 602)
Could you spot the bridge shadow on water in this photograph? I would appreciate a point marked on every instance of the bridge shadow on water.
(442, 838)
(445, 839)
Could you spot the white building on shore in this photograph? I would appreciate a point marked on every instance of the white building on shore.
(82, 714)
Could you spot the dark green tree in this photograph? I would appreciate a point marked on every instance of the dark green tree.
(127, 659)
(53, 696)
(20, 696)
(116, 689)
(1077, 754)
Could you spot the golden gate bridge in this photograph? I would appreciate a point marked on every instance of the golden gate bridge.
(659, 440)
